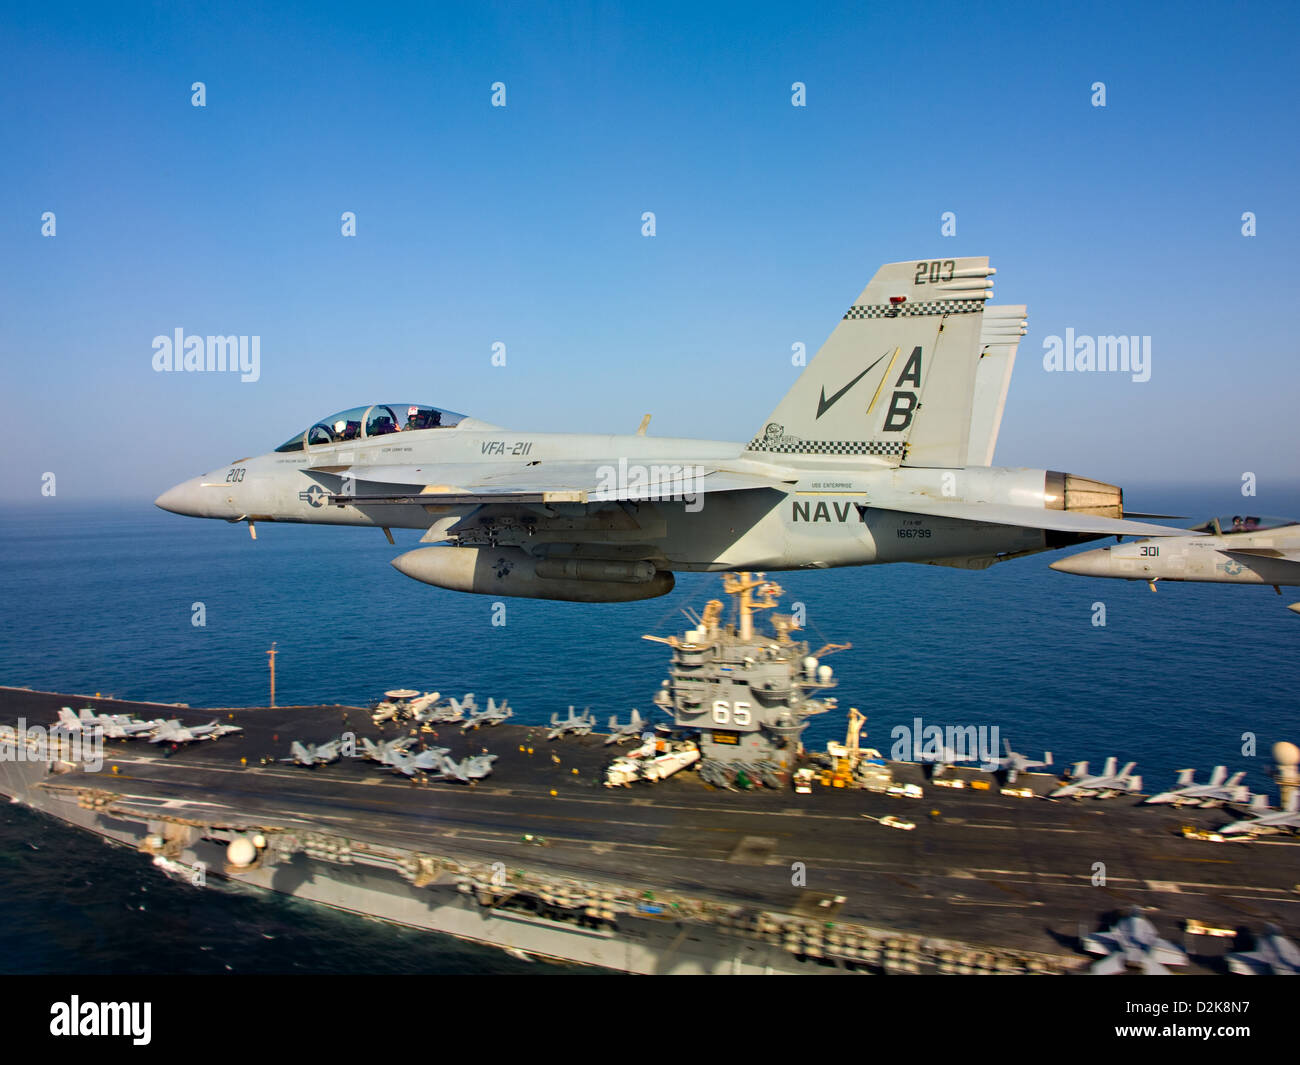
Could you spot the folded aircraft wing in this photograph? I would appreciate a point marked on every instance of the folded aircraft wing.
(1026, 517)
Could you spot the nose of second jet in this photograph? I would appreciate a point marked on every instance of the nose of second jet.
(1086, 563)
(186, 498)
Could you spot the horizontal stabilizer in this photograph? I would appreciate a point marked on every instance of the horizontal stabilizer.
(1025, 517)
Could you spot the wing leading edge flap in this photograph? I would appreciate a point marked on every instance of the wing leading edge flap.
(1027, 517)
(552, 482)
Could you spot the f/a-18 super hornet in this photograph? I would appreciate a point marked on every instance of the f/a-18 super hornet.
(577, 724)
(175, 733)
(467, 770)
(1236, 549)
(1012, 764)
(635, 726)
(384, 753)
(314, 754)
(492, 715)
(1265, 820)
(429, 760)
(1104, 785)
(1132, 940)
(1274, 955)
(880, 452)
(113, 726)
(1219, 789)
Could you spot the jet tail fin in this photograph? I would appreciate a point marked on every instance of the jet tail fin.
(894, 381)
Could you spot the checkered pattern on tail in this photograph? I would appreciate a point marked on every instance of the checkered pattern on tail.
(828, 447)
(913, 310)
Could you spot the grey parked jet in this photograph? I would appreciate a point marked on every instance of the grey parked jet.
(427, 761)
(941, 760)
(383, 752)
(467, 770)
(1219, 789)
(113, 726)
(1132, 940)
(175, 733)
(635, 726)
(879, 453)
(1109, 782)
(450, 712)
(1274, 955)
(314, 754)
(493, 715)
(575, 724)
(1236, 549)
(1013, 764)
(1267, 820)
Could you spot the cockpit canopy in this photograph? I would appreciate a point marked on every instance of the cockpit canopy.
(1241, 523)
(363, 423)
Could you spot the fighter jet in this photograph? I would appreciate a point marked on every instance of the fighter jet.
(577, 724)
(1103, 785)
(493, 715)
(1240, 549)
(1266, 820)
(410, 764)
(1219, 789)
(449, 712)
(1013, 764)
(175, 733)
(622, 733)
(1274, 955)
(940, 760)
(474, 767)
(383, 752)
(113, 726)
(1132, 940)
(314, 754)
(879, 453)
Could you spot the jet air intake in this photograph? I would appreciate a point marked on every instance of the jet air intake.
(511, 571)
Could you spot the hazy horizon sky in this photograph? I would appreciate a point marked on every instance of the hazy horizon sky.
(523, 224)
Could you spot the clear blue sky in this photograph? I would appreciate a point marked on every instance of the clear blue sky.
(523, 225)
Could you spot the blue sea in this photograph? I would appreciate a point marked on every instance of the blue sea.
(102, 598)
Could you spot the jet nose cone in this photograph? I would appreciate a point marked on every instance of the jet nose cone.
(183, 499)
(1086, 563)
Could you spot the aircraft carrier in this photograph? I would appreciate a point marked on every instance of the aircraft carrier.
(704, 871)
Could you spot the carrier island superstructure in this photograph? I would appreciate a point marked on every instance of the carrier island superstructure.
(729, 849)
(747, 696)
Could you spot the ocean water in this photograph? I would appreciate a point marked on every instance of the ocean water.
(102, 599)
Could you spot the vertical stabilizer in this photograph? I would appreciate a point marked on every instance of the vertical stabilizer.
(894, 382)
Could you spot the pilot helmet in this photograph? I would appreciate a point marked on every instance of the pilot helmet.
(411, 412)
(340, 425)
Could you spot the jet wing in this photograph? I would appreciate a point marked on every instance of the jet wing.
(1249, 553)
(1026, 517)
(542, 482)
